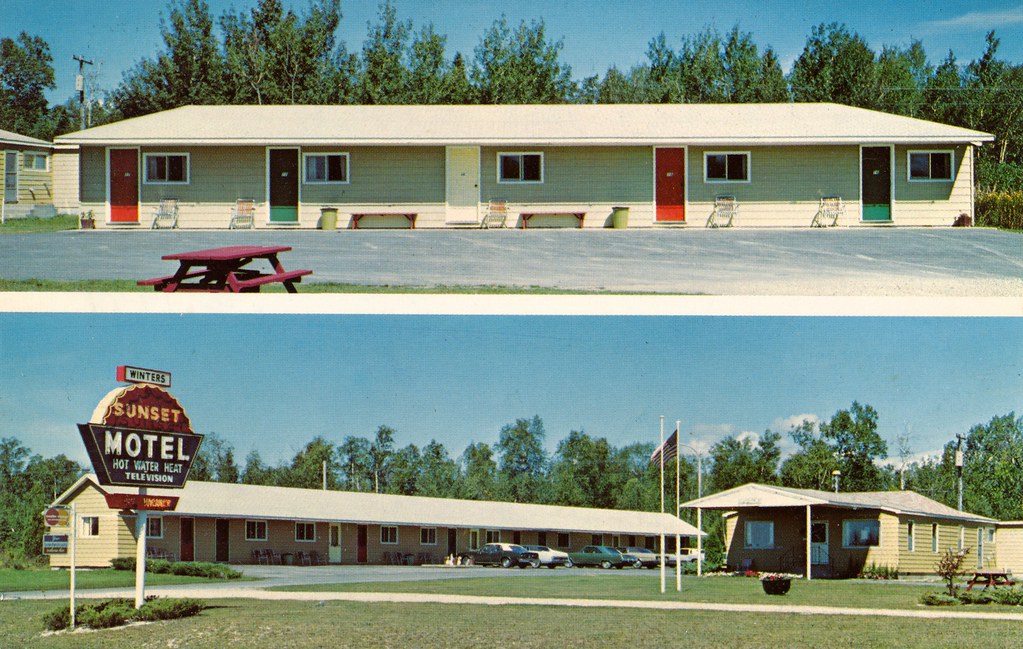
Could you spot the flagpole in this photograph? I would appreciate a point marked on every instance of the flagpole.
(661, 449)
(678, 502)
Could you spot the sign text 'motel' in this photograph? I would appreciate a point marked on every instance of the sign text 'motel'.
(131, 457)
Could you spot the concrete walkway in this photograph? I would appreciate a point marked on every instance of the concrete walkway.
(258, 590)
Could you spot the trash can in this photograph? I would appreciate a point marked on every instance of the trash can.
(288, 559)
(328, 218)
(620, 217)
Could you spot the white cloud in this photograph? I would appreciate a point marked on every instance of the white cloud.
(980, 20)
(784, 425)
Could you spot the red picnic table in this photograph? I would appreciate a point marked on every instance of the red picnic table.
(223, 270)
(991, 578)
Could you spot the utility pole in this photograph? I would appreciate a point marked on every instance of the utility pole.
(959, 468)
(80, 84)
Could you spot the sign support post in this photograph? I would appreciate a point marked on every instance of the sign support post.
(74, 536)
(140, 555)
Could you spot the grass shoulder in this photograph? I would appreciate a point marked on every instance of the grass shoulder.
(50, 580)
(32, 225)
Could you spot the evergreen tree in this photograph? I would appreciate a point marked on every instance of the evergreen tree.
(521, 66)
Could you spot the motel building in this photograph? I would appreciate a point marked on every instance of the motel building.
(243, 524)
(740, 165)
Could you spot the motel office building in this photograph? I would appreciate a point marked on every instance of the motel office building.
(444, 165)
(230, 522)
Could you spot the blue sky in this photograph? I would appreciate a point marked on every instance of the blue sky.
(273, 382)
(596, 34)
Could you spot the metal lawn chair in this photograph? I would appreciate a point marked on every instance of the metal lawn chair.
(828, 212)
(243, 214)
(497, 214)
(166, 214)
(726, 208)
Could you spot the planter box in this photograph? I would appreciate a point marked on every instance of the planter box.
(776, 586)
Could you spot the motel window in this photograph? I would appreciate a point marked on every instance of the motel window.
(36, 162)
(962, 537)
(934, 537)
(520, 167)
(651, 543)
(154, 527)
(326, 167)
(90, 525)
(427, 536)
(930, 166)
(474, 539)
(759, 535)
(860, 533)
(493, 536)
(597, 539)
(726, 167)
(541, 538)
(563, 541)
(305, 532)
(388, 534)
(910, 534)
(255, 531)
(990, 535)
(166, 168)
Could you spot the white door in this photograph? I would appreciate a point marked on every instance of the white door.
(11, 177)
(463, 184)
(819, 555)
(334, 552)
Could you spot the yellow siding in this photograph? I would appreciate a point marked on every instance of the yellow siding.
(933, 203)
(922, 559)
(115, 536)
(66, 181)
(34, 187)
(1009, 550)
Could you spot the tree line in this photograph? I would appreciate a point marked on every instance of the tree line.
(584, 470)
(266, 54)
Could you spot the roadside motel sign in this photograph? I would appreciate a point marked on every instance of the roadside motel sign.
(129, 374)
(140, 436)
(147, 502)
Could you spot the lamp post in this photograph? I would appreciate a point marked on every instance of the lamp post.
(835, 475)
(699, 511)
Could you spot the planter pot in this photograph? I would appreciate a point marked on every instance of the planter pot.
(776, 586)
(88, 224)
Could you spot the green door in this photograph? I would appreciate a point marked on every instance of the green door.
(877, 183)
(283, 185)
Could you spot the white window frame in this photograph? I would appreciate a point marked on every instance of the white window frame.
(145, 168)
(90, 526)
(385, 540)
(501, 180)
(845, 534)
(304, 537)
(930, 152)
(727, 181)
(257, 522)
(426, 534)
(35, 155)
(151, 522)
(746, 537)
(326, 154)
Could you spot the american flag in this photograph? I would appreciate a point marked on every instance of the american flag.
(666, 451)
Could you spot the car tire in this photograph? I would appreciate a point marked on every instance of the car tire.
(552, 566)
(506, 562)
(467, 561)
(534, 563)
(606, 565)
(638, 564)
(569, 564)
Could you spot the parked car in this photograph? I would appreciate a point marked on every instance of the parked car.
(644, 558)
(686, 555)
(506, 555)
(541, 555)
(600, 555)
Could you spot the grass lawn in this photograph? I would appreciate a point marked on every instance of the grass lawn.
(31, 225)
(640, 586)
(257, 624)
(32, 580)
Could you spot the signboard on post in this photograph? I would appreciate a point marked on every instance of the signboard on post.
(57, 517)
(55, 543)
(139, 436)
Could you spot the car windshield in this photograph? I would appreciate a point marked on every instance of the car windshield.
(516, 548)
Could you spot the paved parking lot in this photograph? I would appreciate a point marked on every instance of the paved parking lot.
(968, 262)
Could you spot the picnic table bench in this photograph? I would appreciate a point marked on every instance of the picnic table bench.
(528, 215)
(224, 270)
(409, 216)
(990, 578)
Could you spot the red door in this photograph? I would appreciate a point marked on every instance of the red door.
(124, 186)
(187, 539)
(671, 185)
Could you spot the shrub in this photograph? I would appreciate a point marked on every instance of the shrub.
(106, 615)
(185, 568)
(977, 597)
(938, 599)
(874, 571)
(170, 609)
(116, 612)
(1009, 596)
(123, 563)
(1000, 209)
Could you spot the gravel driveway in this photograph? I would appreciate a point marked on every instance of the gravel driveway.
(969, 262)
